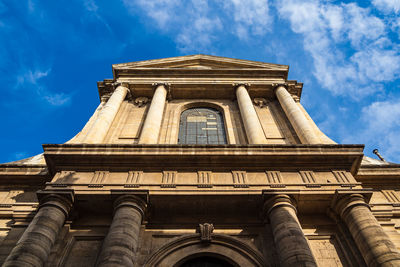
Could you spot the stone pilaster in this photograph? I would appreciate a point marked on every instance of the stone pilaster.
(120, 245)
(34, 246)
(374, 244)
(291, 244)
(299, 122)
(152, 124)
(252, 125)
(107, 115)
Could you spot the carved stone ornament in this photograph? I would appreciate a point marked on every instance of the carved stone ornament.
(141, 101)
(260, 102)
(206, 230)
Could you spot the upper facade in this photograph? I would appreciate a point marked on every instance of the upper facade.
(251, 103)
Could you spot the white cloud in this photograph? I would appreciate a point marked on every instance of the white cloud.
(249, 16)
(361, 25)
(57, 99)
(161, 11)
(349, 45)
(200, 34)
(92, 7)
(377, 64)
(387, 5)
(30, 79)
(197, 24)
(382, 127)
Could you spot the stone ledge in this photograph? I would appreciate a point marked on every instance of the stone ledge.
(217, 157)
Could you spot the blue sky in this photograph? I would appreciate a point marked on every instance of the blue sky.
(52, 53)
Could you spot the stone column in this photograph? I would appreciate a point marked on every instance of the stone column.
(107, 115)
(254, 131)
(374, 244)
(34, 246)
(296, 117)
(152, 124)
(121, 242)
(290, 242)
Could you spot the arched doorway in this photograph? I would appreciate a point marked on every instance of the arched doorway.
(205, 261)
(222, 249)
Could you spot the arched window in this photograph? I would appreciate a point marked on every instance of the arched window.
(201, 126)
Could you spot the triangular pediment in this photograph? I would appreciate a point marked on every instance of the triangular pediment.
(200, 62)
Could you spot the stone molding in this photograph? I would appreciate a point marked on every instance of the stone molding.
(217, 156)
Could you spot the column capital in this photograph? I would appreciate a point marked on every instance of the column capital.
(123, 84)
(167, 87)
(245, 85)
(137, 201)
(106, 96)
(62, 200)
(274, 201)
(156, 84)
(276, 85)
(343, 202)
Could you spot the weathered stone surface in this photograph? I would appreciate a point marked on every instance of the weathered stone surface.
(34, 246)
(292, 245)
(374, 244)
(119, 247)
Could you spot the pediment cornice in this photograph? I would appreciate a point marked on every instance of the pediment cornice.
(200, 62)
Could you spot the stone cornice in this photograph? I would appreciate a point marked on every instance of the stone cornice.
(200, 88)
(24, 174)
(199, 60)
(186, 157)
(378, 176)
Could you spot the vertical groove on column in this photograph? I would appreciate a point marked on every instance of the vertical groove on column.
(34, 246)
(291, 244)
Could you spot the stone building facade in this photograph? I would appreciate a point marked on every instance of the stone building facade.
(198, 160)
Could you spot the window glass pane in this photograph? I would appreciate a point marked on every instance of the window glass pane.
(201, 126)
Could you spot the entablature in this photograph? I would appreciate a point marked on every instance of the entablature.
(200, 88)
(202, 157)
